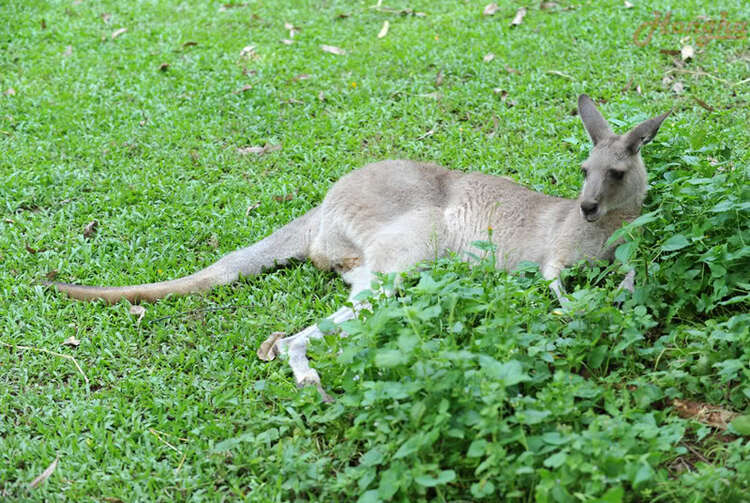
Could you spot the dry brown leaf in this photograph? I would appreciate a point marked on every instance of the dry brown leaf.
(495, 126)
(333, 49)
(138, 311)
(90, 229)
(258, 150)
(687, 52)
(251, 150)
(163, 67)
(504, 97)
(488, 57)
(301, 76)
(33, 250)
(292, 29)
(252, 207)
(669, 52)
(248, 51)
(439, 78)
(428, 133)
(45, 474)
(213, 241)
(560, 74)
(711, 415)
(490, 9)
(10, 92)
(189, 43)
(518, 19)
(548, 5)
(228, 6)
(72, 341)
(52, 274)
(266, 350)
(118, 32)
(284, 198)
(703, 104)
(384, 30)
(512, 70)
(243, 89)
(68, 52)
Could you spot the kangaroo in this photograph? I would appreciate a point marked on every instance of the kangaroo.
(390, 215)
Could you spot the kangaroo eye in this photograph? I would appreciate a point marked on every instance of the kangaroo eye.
(617, 175)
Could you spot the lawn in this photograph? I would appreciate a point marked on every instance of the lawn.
(148, 118)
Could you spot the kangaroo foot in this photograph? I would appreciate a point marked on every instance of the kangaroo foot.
(268, 349)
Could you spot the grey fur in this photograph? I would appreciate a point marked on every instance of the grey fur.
(390, 215)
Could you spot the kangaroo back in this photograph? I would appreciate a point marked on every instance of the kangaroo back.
(290, 242)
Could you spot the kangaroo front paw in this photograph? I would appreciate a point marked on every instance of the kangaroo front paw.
(311, 378)
(268, 350)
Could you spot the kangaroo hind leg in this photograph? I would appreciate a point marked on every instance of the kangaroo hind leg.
(295, 346)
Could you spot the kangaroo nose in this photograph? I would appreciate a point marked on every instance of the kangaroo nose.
(589, 207)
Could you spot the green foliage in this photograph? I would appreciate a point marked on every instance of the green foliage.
(508, 400)
(468, 384)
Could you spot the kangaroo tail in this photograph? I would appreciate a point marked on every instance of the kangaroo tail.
(290, 242)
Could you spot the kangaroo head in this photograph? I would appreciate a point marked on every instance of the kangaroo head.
(615, 176)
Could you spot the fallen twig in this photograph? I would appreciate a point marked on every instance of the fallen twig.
(196, 311)
(560, 74)
(45, 474)
(156, 434)
(42, 350)
(700, 73)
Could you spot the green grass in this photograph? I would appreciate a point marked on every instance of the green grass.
(466, 386)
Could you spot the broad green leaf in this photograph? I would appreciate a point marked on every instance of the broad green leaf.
(373, 457)
(741, 424)
(676, 242)
(477, 447)
(409, 447)
(531, 416)
(390, 481)
(406, 342)
(638, 222)
(429, 313)
(613, 495)
(370, 496)
(556, 460)
(482, 489)
(443, 478)
(227, 444)
(386, 358)
(510, 372)
(625, 251)
(643, 475)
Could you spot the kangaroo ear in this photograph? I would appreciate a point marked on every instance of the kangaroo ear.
(595, 124)
(643, 133)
